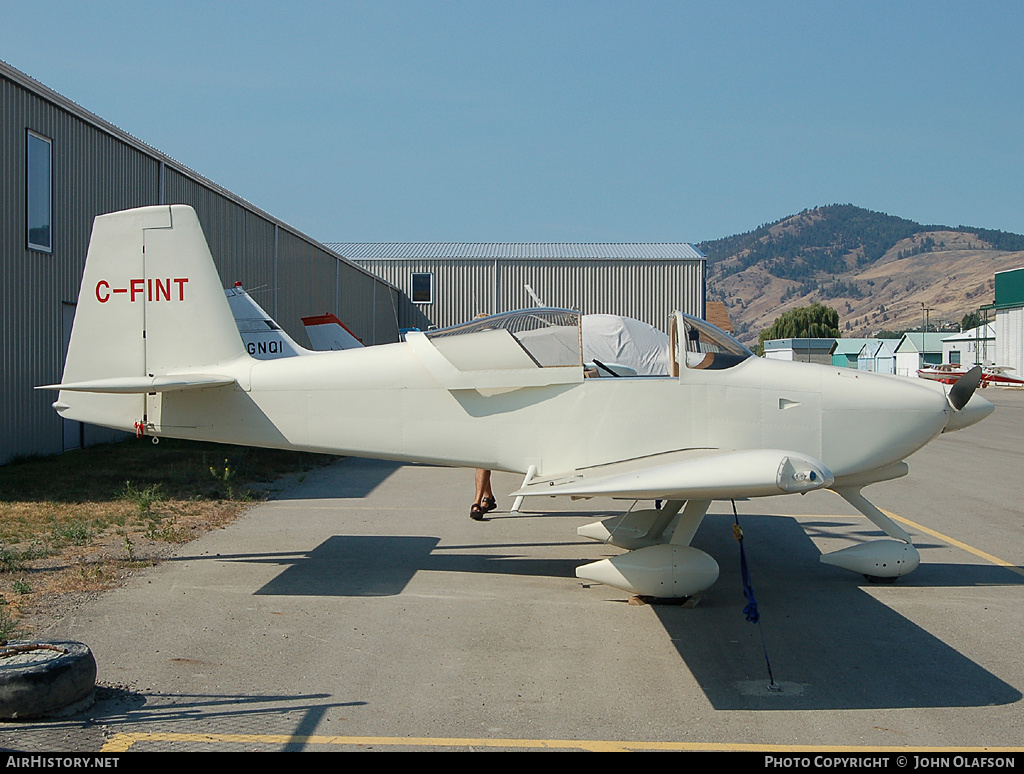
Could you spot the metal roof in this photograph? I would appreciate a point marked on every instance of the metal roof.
(915, 341)
(799, 344)
(876, 348)
(973, 334)
(626, 251)
(849, 346)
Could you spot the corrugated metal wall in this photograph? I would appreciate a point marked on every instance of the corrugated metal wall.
(646, 290)
(96, 168)
(1009, 349)
(92, 173)
(649, 290)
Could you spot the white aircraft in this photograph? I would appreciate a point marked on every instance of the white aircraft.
(264, 339)
(154, 344)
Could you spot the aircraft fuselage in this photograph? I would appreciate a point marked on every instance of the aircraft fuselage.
(382, 402)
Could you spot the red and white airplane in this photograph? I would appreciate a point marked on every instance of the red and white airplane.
(948, 373)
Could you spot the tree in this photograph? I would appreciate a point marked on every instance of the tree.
(969, 321)
(816, 321)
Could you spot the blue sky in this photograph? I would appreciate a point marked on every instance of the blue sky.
(557, 121)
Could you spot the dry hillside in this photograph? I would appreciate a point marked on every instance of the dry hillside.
(941, 273)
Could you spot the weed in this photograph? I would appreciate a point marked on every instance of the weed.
(142, 499)
(77, 533)
(91, 575)
(8, 625)
(13, 559)
(114, 494)
(168, 533)
(225, 477)
(22, 586)
(9, 560)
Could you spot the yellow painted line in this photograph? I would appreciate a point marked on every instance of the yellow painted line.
(124, 742)
(921, 528)
(953, 542)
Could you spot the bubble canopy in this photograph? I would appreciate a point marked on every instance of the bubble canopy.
(548, 337)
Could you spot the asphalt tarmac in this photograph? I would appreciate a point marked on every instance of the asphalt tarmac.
(362, 609)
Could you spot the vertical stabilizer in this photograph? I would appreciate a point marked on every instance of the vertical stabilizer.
(151, 305)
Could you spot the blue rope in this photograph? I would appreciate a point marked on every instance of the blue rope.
(750, 611)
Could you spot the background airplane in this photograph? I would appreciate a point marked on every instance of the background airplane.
(264, 339)
(949, 373)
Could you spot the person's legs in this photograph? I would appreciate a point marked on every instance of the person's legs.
(484, 495)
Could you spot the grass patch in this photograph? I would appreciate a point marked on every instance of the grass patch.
(77, 521)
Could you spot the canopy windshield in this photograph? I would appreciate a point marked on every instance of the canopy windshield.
(705, 346)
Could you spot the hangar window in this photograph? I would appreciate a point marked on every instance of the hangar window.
(422, 288)
(39, 189)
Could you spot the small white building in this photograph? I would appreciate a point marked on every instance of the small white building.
(918, 349)
(845, 352)
(878, 356)
(803, 350)
(976, 346)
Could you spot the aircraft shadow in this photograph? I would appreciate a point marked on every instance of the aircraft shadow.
(829, 643)
(383, 565)
(361, 477)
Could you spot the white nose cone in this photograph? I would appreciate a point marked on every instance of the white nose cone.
(977, 409)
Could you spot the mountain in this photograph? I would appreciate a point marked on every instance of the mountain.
(880, 272)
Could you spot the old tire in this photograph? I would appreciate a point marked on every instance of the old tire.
(51, 678)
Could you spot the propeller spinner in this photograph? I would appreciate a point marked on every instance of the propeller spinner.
(960, 395)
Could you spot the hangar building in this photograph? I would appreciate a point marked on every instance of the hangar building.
(446, 283)
(60, 166)
(1009, 325)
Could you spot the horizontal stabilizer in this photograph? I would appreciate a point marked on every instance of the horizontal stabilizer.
(704, 474)
(327, 332)
(127, 385)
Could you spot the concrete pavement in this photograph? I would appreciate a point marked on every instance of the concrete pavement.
(362, 608)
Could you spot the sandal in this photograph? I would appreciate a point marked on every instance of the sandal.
(476, 513)
(489, 504)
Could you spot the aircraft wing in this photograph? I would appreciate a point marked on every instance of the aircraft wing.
(691, 474)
